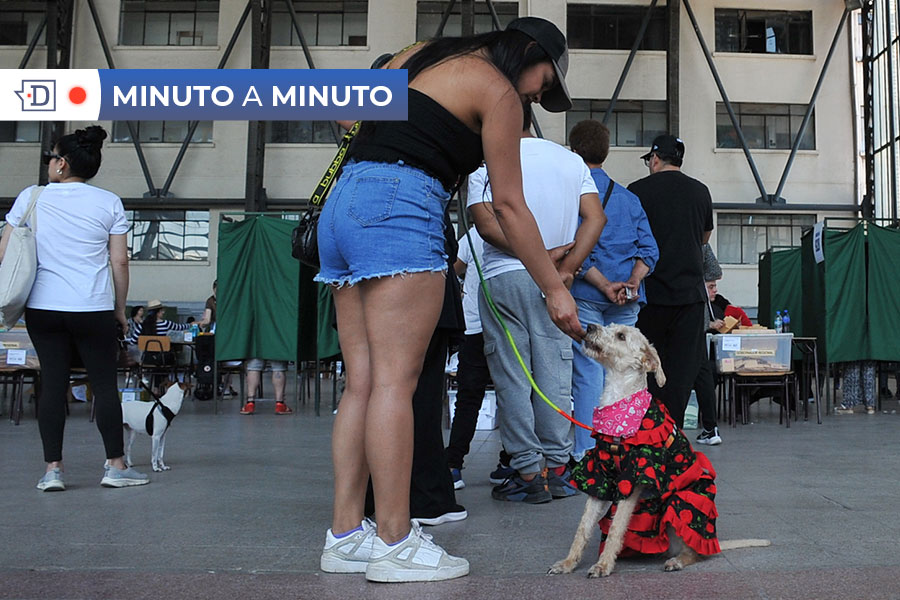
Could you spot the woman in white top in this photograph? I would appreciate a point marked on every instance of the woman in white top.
(80, 233)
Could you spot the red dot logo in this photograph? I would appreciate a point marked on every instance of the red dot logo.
(77, 95)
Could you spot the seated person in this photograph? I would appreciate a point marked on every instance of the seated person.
(255, 366)
(155, 323)
(722, 308)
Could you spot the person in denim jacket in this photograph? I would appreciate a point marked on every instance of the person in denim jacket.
(609, 288)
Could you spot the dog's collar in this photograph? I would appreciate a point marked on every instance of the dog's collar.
(622, 418)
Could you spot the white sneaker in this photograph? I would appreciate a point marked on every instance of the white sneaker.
(709, 437)
(416, 558)
(348, 554)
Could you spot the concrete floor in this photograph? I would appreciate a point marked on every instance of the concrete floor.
(243, 512)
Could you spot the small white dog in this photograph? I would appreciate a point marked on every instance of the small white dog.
(634, 436)
(153, 418)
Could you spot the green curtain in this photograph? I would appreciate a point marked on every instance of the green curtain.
(847, 336)
(317, 335)
(326, 334)
(883, 292)
(781, 287)
(256, 314)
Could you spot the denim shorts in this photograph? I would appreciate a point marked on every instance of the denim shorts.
(381, 219)
(259, 364)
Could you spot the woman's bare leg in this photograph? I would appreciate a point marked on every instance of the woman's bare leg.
(401, 314)
(351, 472)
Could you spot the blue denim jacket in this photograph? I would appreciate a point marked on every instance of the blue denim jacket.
(626, 237)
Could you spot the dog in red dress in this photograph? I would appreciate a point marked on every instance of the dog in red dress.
(660, 493)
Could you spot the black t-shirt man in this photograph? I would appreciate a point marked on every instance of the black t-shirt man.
(679, 209)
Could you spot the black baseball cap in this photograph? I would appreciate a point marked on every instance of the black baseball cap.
(666, 146)
(553, 42)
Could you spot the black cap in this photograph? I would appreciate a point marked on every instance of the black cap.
(553, 42)
(666, 146)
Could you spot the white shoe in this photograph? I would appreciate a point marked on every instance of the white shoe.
(709, 438)
(416, 558)
(349, 554)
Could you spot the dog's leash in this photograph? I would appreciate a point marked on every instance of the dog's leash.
(165, 410)
(509, 336)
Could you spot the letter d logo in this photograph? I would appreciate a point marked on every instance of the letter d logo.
(38, 95)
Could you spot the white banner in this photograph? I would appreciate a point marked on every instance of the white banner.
(817, 242)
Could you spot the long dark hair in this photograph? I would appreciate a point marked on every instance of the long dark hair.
(510, 51)
(148, 325)
(82, 150)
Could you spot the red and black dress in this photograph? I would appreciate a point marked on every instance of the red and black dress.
(679, 484)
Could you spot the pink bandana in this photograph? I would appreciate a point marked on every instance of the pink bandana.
(622, 418)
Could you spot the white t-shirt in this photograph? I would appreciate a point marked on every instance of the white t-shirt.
(74, 222)
(471, 284)
(553, 178)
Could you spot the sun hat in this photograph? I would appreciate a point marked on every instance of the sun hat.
(155, 304)
(553, 42)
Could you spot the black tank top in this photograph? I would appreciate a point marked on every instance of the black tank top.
(431, 139)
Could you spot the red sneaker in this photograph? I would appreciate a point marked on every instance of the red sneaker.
(249, 408)
(282, 409)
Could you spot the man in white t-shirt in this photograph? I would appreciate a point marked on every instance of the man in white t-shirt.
(563, 198)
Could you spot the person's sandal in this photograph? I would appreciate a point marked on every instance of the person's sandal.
(282, 409)
(249, 408)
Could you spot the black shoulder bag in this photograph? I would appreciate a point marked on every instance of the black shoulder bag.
(304, 238)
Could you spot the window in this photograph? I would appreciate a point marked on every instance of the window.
(324, 23)
(632, 123)
(154, 132)
(742, 237)
(764, 31)
(428, 17)
(168, 234)
(765, 126)
(611, 27)
(169, 23)
(18, 26)
(299, 132)
(20, 131)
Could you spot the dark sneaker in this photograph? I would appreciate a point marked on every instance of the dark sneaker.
(458, 482)
(709, 437)
(558, 482)
(516, 489)
(457, 513)
(501, 474)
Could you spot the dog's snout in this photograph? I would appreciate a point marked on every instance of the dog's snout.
(591, 328)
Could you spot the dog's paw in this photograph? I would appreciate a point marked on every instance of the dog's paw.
(562, 566)
(157, 468)
(673, 564)
(603, 568)
(163, 467)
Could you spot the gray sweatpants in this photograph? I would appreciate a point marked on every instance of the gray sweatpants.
(531, 431)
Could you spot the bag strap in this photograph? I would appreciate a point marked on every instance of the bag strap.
(324, 186)
(609, 191)
(30, 212)
(327, 180)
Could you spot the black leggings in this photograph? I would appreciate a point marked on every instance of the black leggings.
(56, 336)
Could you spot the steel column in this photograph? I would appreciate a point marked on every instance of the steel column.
(764, 197)
(868, 204)
(809, 107)
(152, 191)
(889, 84)
(34, 40)
(260, 43)
(634, 48)
(192, 127)
(673, 66)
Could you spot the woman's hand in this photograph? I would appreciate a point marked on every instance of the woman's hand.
(564, 314)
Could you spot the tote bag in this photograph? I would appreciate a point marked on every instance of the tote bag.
(19, 266)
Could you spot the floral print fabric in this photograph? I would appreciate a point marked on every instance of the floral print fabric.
(679, 484)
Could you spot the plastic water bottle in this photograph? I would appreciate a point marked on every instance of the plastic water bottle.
(779, 323)
(786, 322)
(195, 330)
